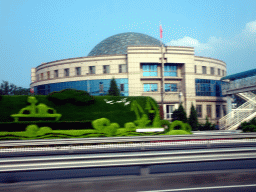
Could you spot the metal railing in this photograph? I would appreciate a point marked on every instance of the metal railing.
(245, 112)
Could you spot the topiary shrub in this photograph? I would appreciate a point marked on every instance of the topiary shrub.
(187, 127)
(32, 130)
(165, 123)
(179, 124)
(76, 97)
(44, 130)
(130, 126)
(103, 126)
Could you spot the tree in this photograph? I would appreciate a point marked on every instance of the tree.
(193, 121)
(7, 89)
(113, 90)
(179, 114)
(11, 89)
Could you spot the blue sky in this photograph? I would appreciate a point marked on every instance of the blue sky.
(37, 31)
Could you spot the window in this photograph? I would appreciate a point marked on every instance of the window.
(149, 70)
(123, 68)
(217, 111)
(56, 73)
(218, 71)
(150, 87)
(42, 76)
(66, 72)
(204, 69)
(209, 111)
(223, 73)
(170, 70)
(121, 87)
(169, 111)
(105, 69)
(212, 71)
(195, 68)
(92, 69)
(78, 71)
(101, 87)
(170, 87)
(199, 110)
(37, 77)
(224, 110)
(48, 74)
(207, 87)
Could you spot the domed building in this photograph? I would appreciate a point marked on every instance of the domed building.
(141, 66)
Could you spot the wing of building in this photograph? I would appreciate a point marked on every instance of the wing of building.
(142, 66)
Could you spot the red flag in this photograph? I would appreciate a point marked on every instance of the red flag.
(161, 32)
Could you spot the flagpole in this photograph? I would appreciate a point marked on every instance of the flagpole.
(162, 73)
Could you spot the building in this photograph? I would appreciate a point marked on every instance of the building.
(142, 66)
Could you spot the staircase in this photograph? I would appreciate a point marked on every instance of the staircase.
(245, 112)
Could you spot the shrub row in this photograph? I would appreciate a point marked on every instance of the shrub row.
(54, 125)
(75, 97)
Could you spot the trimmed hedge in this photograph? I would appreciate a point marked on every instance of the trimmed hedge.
(75, 97)
(55, 125)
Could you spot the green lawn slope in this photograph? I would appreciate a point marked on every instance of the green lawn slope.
(119, 112)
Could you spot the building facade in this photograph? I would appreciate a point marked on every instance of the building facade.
(141, 66)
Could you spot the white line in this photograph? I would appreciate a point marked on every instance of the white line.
(200, 188)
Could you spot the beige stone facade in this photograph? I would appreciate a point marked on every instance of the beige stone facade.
(130, 66)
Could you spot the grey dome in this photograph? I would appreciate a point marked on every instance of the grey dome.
(117, 44)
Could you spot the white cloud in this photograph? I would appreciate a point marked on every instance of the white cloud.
(219, 47)
(250, 27)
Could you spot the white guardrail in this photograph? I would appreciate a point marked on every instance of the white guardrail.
(122, 142)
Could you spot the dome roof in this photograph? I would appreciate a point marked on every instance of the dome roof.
(117, 44)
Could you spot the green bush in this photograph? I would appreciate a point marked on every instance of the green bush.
(103, 125)
(188, 128)
(178, 124)
(75, 97)
(178, 132)
(206, 126)
(32, 130)
(130, 126)
(44, 130)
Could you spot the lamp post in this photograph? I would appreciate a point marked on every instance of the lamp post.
(180, 95)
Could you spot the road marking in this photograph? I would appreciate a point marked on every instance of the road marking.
(201, 188)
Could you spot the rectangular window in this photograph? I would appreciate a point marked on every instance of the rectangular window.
(121, 87)
(92, 69)
(66, 72)
(212, 71)
(149, 70)
(105, 69)
(170, 70)
(217, 111)
(169, 111)
(101, 87)
(150, 87)
(223, 74)
(42, 76)
(37, 77)
(48, 74)
(204, 69)
(78, 71)
(195, 69)
(224, 110)
(209, 111)
(123, 68)
(218, 71)
(56, 74)
(199, 110)
(170, 87)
